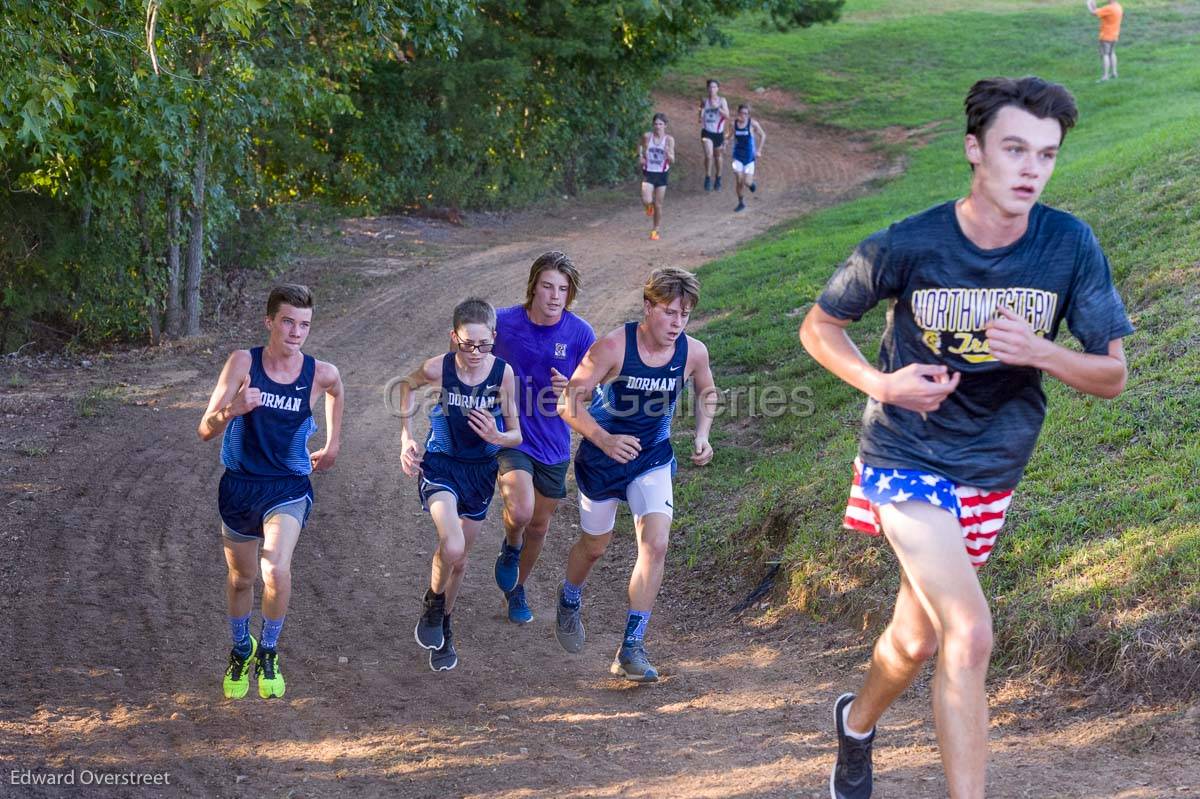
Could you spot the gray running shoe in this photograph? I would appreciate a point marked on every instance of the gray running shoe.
(429, 627)
(568, 627)
(444, 657)
(632, 664)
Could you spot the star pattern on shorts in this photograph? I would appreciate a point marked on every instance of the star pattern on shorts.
(887, 486)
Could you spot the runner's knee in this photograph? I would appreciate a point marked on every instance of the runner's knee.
(968, 644)
(519, 514)
(275, 572)
(916, 646)
(537, 530)
(593, 546)
(453, 553)
(654, 545)
(240, 581)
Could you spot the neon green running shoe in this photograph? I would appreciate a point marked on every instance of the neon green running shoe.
(269, 675)
(237, 675)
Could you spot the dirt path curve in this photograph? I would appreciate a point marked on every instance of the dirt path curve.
(113, 634)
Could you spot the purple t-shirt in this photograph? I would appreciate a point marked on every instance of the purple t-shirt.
(532, 350)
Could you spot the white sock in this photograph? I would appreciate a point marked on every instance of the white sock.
(861, 736)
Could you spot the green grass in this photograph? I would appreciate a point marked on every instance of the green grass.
(1098, 572)
(97, 401)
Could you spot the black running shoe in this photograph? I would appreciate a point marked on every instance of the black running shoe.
(429, 627)
(444, 657)
(851, 777)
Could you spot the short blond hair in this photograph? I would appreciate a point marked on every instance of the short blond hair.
(559, 262)
(670, 283)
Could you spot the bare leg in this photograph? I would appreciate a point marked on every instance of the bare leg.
(516, 488)
(660, 193)
(241, 561)
(584, 554)
(452, 547)
(707, 144)
(280, 534)
(535, 534)
(653, 532)
(928, 542)
(717, 153)
(470, 530)
(1113, 58)
(909, 640)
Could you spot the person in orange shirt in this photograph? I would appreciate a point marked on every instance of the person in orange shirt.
(1110, 30)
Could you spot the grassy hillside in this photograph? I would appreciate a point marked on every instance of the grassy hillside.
(1098, 573)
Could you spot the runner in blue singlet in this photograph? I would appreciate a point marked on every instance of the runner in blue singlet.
(263, 405)
(748, 141)
(475, 416)
(633, 378)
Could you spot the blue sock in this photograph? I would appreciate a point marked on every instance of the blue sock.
(572, 595)
(239, 631)
(270, 632)
(635, 627)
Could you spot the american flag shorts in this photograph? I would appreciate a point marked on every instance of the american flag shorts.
(980, 512)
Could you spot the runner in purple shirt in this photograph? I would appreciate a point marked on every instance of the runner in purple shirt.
(543, 342)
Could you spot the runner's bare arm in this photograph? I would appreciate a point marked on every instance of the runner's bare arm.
(430, 372)
(700, 372)
(231, 397)
(329, 381)
(760, 136)
(642, 149)
(917, 387)
(484, 424)
(1012, 341)
(1091, 6)
(670, 150)
(601, 364)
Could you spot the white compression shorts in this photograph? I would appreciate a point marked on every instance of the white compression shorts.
(648, 493)
(743, 169)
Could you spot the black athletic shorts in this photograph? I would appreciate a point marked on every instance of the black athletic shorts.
(549, 479)
(718, 139)
(655, 179)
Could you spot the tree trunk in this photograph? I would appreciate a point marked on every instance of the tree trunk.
(195, 255)
(146, 261)
(173, 221)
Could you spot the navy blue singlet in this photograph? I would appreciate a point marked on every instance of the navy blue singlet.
(744, 148)
(272, 440)
(449, 432)
(639, 402)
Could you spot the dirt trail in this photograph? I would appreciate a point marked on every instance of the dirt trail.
(113, 633)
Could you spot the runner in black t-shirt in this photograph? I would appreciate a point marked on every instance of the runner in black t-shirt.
(977, 291)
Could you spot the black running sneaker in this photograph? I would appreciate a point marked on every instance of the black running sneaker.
(429, 627)
(444, 657)
(851, 777)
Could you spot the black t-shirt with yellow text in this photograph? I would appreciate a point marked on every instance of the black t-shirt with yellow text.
(942, 290)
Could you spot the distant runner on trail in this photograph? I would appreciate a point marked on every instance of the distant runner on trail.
(543, 342)
(714, 115)
(748, 141)
(977, 290)
(262, 404)
(622, 399)
(656, 153)
(1110, 16)
(475, 416)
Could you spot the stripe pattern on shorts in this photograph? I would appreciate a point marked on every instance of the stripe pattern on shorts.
(980, 512)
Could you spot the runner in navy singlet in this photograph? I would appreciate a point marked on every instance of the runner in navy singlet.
(263, 405)
(474, 417)
(633, 378)
(748, 141)
(655, 154)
